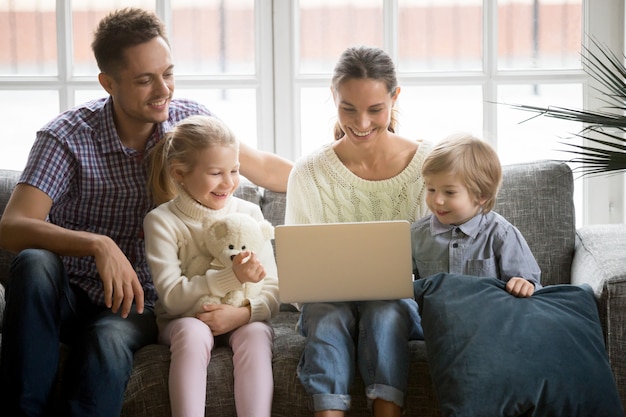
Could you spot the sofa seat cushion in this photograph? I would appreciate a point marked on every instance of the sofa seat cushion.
(493, 354)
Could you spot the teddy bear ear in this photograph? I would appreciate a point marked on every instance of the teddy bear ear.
(218, 230)
(267, 229)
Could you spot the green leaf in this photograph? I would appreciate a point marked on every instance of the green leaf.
(602, 128)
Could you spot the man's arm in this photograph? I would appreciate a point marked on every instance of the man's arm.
(265, 169)
(23, 225)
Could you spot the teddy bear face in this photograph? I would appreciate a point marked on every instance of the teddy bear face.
(235, 250)
(235, 233)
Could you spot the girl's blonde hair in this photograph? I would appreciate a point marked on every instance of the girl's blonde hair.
(362, 62)
(181, 146)
(473, 160)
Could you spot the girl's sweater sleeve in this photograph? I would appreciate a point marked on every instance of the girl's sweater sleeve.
(164, 236)
(264, 306)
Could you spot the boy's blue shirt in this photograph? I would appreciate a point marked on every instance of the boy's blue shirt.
(487, 245)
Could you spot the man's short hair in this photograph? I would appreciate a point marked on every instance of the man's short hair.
(120, 30)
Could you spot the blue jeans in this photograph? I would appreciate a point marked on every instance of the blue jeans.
(372, 334)
(43, 310)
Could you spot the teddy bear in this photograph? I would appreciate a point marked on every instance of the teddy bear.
(226, 237)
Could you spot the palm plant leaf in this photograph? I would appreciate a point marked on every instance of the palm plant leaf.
(605, 149)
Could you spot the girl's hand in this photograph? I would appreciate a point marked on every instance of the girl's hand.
(223, 318)
(520, 287)
(247, 267)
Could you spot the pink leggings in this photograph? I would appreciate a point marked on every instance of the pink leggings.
(191, 342)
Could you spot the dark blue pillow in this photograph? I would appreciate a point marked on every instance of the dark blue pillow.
(493, 354)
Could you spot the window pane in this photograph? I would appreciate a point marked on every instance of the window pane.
(439, 36)
(28, 111)
(213, 36)
(434, 112)
(83, 96)
(86, 15)
(236, 107)
(523, 137)
(423, 113)
(327, 27)
(542, 34)
(317, 118)
(28, 42)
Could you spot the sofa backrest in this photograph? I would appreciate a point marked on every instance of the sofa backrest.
(8, 179)
(537, 197)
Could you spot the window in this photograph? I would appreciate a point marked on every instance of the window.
(459, 63)
(264, 66)
(216, 63)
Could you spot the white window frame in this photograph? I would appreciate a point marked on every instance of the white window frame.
(278, 85)
(603, 197)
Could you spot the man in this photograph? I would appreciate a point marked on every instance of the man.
(75, 218)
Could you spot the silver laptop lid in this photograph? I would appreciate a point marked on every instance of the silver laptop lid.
(344, 261)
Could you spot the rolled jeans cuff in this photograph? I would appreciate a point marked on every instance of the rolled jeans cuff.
(384, 392)
(322, 402)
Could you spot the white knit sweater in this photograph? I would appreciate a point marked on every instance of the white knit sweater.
(173, 239)
(322, 190)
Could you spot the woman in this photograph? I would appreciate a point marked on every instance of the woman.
(368, 173)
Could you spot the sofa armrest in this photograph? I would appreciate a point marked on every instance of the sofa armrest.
(600, 261)
(600, 256)
(2, 304)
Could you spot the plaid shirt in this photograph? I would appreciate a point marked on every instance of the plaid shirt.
(98, 185)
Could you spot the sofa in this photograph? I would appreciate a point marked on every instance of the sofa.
(537, 197)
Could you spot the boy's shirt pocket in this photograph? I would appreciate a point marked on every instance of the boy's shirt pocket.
(482, 267)
(475, 267)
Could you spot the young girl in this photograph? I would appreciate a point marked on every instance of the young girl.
(368, 173)
(194, 171)
(463, 235)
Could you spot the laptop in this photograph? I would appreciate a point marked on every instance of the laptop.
(344, 261)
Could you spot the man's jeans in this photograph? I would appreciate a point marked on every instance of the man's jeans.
(42, 310)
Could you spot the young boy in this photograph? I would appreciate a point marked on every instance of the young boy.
(462, 234)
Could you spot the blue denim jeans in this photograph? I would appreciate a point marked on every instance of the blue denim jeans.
(371, 334)
(42, 311)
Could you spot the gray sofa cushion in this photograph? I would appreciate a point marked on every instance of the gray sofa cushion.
(537, 197)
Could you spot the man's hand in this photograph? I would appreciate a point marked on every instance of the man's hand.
(248, 268)
(23, 225)
(120, 281)
(520, 287)
(223, 318)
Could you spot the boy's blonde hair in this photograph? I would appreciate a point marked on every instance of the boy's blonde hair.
(181, 146)
(473, 160)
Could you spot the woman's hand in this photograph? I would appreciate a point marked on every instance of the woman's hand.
(520, 287)
(248, 268)
(223, 318)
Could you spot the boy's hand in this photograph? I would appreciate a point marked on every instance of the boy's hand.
(520, 287)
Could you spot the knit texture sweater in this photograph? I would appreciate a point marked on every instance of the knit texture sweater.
(322, 190)
(173, 236)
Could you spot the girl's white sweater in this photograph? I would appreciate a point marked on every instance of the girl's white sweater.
(173, 236)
